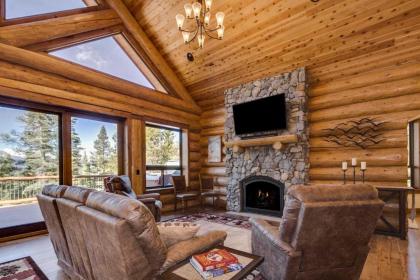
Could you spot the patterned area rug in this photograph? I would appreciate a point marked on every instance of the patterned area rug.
(222, 218)
(21, 269)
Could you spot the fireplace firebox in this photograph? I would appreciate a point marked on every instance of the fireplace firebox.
(263, 195)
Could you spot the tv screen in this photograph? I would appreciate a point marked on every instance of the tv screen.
(262, 115)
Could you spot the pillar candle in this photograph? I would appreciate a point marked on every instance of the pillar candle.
(353, 161)
(363, 165)
(344, 165)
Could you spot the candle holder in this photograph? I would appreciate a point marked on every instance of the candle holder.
(363, 175)
(344, 176)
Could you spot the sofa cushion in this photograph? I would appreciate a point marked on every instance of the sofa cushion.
(185, 249)
(174, 232)
(77, 194)
(54, 190)
(139, 218)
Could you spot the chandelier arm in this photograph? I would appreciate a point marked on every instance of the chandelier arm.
(211, 36)
(195, 35)
(212, 30)
(188, 31)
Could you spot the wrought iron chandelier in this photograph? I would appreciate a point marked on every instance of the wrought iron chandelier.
(199, 12)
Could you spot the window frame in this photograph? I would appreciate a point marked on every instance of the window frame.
(65, 168)
(24, 229)
(100, 5)
(163, 168)
(120, 136)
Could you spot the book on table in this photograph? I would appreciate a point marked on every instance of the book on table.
(214, 263)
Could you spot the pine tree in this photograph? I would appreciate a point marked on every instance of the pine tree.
(38, 142)
(6, 165)
(113, 158)
(101, 156)
(76, 149)
(160, 146)
(87, 169)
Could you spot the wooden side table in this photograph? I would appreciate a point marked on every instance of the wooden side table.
(393, 221)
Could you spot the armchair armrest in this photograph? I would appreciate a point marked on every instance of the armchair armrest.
(147, 200)
(271, 233)
(184, 249)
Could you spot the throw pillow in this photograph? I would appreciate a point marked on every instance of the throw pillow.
(174, 232)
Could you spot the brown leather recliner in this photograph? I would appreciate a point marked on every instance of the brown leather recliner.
(122, 185)
(324, 233)
(47, 201)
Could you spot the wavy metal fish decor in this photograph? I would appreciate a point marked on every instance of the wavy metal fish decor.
(363, 133)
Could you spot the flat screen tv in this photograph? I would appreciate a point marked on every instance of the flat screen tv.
(262, 115)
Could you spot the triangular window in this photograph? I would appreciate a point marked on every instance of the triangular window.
(26, 8)
(112, 55)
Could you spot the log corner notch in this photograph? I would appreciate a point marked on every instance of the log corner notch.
(151, 51)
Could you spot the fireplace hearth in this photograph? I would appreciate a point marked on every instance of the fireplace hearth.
(262, 195)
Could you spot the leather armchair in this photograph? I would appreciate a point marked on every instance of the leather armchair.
(122, 185)
(324, 233)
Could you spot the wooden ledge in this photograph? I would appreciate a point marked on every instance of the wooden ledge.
(276, 141)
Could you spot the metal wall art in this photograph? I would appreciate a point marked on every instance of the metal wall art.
(363, 133)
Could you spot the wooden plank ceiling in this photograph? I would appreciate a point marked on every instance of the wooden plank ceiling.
(265, 37)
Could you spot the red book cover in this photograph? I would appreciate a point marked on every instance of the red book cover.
(213, 259)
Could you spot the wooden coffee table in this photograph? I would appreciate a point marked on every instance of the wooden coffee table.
(185, 271)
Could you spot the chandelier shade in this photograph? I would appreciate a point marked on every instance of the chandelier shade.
(198, 13)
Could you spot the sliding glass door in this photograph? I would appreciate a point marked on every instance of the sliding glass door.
(29, 159)
(35, 150)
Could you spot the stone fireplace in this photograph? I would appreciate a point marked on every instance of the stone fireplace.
(262, 194)
(255, 172)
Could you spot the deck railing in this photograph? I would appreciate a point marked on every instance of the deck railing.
(14, 189)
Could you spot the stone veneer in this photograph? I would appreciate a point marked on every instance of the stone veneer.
(290, 165)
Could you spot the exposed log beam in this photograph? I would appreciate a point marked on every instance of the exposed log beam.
(62, 42)
(45, 30)
(75, 72)
(151, 51)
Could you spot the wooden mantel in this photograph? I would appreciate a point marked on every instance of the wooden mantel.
(276, 141)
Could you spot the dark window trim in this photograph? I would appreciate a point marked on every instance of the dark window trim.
(22, 229)
(163, 168)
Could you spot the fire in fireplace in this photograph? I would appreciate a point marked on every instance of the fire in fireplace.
(262, 194)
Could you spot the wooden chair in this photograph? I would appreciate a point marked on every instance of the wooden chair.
(182, 192)
(207, 190)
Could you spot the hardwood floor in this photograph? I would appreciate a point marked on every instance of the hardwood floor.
(389, 259)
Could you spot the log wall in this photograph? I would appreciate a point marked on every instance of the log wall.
(383, 85)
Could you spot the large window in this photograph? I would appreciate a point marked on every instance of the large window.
(29, 159)
(94, 151)
(163, 155)
(112, 55)
(24, 8)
